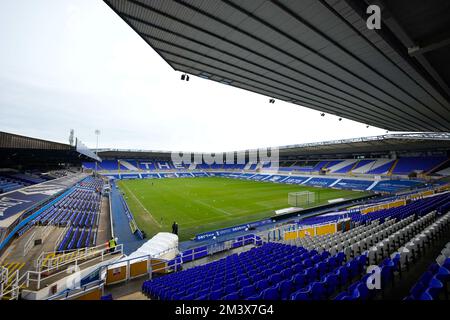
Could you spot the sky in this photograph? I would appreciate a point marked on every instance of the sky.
(74, 64)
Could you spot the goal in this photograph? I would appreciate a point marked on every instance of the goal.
(297, 199)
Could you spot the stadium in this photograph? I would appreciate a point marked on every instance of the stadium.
(364, 218)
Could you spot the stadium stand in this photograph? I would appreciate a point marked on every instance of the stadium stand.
(434, 281)
(310, 268)
(401, 166)
(381, 166)
(78, 210)
(9, 184)
(334, 179)
(406, 165)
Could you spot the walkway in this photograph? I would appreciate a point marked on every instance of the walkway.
(121, 225)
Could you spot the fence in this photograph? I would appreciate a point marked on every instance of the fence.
(147, 265)
(91, 291)
(49, 261)
(293, 231)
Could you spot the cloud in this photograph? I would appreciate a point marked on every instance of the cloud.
(76, 64)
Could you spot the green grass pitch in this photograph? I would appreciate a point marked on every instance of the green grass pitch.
(204, 204)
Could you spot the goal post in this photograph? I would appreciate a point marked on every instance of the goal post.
(297, 199)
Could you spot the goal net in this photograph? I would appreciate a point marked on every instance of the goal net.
(297, 199)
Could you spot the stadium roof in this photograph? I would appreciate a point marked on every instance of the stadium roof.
(424, 142)
(401, 142)
(315, 53)
(21, 150)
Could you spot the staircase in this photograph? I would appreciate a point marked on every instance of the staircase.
(377, 164)
(342, 164)
(55, 260)
(248, 165)
(392, 167)
(353, 167)
(9, 280)
(259, 166)
(128, 165)
(372, 185)
(443, 165)
(337, 181)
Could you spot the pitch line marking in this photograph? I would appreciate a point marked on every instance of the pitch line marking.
(140, 203)
(212, 207)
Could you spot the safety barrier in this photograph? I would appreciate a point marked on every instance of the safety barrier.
(29, 244)
(36, 280)
(91, 291)
(50, 261)
(110, 213)
(382, 206)
(147, 265)
(315, 230)
(9, 285)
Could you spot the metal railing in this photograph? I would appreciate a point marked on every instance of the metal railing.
(66, 257)
(61, 236)
(35, 279)
(29, 244)
(10, 285)
(45, 232)
(78, 292)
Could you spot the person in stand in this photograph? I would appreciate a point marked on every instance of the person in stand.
(175, 228)
(112, 244)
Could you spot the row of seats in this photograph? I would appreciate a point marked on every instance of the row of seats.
(78, 208)
(438, 202)
(272, 271)
(8, 184)
(402, 166)
(77, 238)
(28, 178)
(339, 241)
(435, 280)
(92, 183)
(374, 235)
(418, 235)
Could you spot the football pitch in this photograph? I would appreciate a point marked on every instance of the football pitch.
(205, 204)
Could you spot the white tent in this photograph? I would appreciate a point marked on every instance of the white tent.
(162, 246)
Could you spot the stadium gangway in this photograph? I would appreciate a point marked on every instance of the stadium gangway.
(61, 236)
(51, 261)
(36, 280)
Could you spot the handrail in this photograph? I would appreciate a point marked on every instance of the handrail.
(29, 244)
(46, 232)
(76, 255)
(12, 288)
(45, 253)
(38, 276)
(110, 212)
(73, 293)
